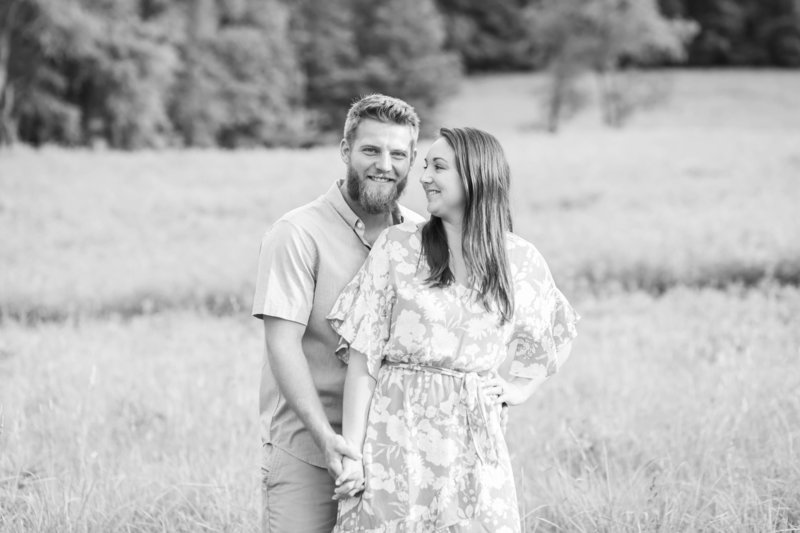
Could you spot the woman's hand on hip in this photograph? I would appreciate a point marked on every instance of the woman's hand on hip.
(514, 392)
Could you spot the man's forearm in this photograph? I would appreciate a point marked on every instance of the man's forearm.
(290, 368)
(296, 385)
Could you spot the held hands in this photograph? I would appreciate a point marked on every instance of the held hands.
(345, 466)
(351, 481)
(337, 450)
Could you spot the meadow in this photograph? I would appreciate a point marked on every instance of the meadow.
(128, 362)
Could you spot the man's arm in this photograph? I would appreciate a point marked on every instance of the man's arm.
(288, 364)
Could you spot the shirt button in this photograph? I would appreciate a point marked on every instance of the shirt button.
(359, 224)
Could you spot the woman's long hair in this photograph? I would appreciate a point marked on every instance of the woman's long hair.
(485, 176)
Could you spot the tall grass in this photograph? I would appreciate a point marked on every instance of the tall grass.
(138, 233)
(141, 425)
(677, 413)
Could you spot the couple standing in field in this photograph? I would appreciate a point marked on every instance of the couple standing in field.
(381, 395)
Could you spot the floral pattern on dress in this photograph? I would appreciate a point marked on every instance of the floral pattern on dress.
(434, 452)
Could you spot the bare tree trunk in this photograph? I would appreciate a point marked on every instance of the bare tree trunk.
(554, 103)
(610, 97)
(8, 123)
(201, 24)
(559, 86)
(8, 126)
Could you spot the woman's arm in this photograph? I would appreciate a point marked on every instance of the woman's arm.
(517, 390)
(358, 388)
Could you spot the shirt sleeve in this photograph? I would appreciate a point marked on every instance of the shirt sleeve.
(362, 313)
(544, 321)
(286, 279)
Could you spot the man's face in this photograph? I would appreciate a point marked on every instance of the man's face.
(378, 162)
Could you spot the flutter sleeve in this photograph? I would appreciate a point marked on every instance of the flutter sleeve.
(362, 313)
(544, 321)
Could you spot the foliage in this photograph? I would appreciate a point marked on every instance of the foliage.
(353, 47)
(324, 36)
(603, 37)
(155, 73)
(741, 32)
(489, 35)
(210, 72)
(239, 83)
(401, 43)
(81, 70)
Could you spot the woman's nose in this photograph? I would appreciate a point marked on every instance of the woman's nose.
(424, 177)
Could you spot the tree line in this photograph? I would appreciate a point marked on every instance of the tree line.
(494, 35)
(234, 73)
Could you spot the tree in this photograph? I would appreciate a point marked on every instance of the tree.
(79, 68)
(741, 32)
(31, 32)
(210, 72)
(128, 79)
(609, 38)
(240, 85)
(324, 36)
(401, 48)
(9, 13)
(489, 35)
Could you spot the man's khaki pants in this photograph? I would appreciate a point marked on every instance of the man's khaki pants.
(296, 495)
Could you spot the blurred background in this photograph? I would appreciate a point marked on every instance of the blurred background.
(146, 145)
(241, 73)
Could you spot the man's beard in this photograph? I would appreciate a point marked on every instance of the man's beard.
(372, 200)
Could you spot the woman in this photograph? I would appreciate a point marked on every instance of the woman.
(427, 320)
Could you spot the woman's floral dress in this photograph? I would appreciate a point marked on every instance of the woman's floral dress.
(434, 453)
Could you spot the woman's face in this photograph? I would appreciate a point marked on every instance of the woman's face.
(442, 183)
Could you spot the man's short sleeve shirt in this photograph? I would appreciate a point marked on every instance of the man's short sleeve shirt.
(306, 259)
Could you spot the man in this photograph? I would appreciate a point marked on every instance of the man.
(306, 258)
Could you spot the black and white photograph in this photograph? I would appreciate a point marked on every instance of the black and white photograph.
(400, 266)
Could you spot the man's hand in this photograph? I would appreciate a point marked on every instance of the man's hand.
(351, 480)
(336, 449)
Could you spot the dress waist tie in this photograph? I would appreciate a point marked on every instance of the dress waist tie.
(474, 399)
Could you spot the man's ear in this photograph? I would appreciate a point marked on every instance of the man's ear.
(413, 157)
(344, 151)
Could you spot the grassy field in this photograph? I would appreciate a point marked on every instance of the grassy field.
(127, 360)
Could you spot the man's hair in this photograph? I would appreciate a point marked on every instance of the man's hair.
(383, 108)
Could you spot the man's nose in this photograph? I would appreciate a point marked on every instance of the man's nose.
(384, 162)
